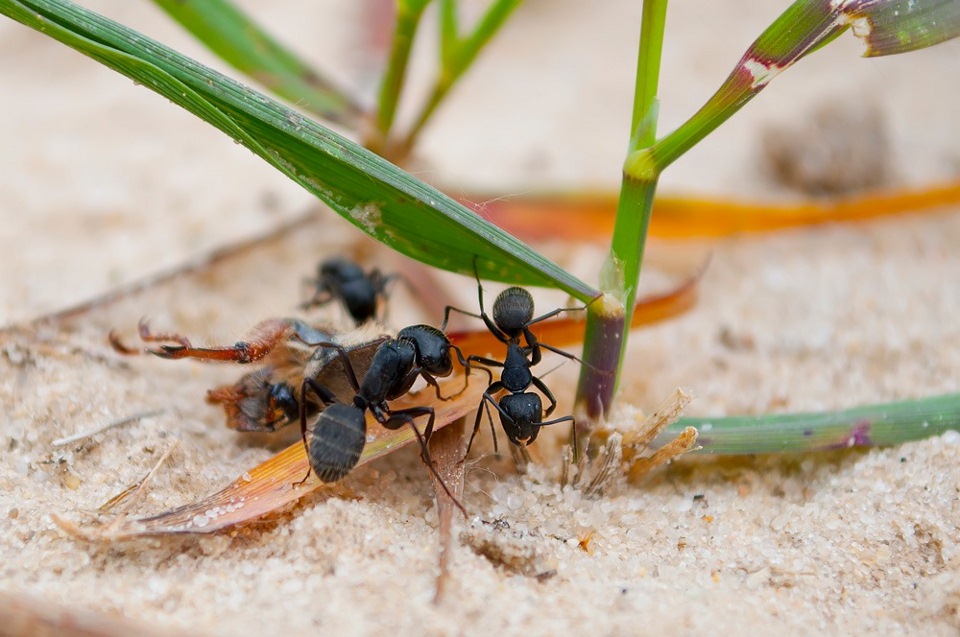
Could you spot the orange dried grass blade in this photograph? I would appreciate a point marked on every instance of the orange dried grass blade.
(272, 485)
(569, 330)
(590, 216)
(677, 218)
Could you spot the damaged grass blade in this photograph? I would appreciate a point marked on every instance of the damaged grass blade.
(273, 484)
(373, 194)
(898, 26)
(895, 26)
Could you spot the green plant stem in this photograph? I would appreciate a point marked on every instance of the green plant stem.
(648, 72)
(456, 57)
(409, 13)
(872, 425)
(607, 323)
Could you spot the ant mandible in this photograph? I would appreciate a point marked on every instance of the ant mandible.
(521, 412)
(340, 431)
(359, 291)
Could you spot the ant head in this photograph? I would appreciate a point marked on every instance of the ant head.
(513, 310)
(520, 417)
(432, 346)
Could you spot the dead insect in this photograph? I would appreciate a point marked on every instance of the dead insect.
(521, 411)
(269, 397)
(360, 292)
(339, 434)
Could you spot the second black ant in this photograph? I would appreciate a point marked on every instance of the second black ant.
(342, 279)
(340, 431)
(521, 411)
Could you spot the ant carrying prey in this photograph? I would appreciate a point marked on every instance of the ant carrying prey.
(339, 433)
(521, 411)
(327, 384)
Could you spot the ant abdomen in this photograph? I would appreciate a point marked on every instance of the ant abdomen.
(337, 441)
(513, 310)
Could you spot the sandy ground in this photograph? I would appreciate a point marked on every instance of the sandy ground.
(103, 183)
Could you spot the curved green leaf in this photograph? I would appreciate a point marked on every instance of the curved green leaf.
(373, 194)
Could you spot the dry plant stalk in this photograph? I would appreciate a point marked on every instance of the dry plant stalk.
(447, 448)
(637, 441)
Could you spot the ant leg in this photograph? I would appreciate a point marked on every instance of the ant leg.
(326, 397)
(380, 283)
(552, 313)
(491, 326)
(493, 429)
(539, 384)
(473, 358)
(325, 290)
(571, 419)
(467, 368)
(431, 380)
(483, 406)
(476, 428)
(404, 385)
(446, 315)
(560, 310)
(406, 416)
(557, 350)
(532, 342)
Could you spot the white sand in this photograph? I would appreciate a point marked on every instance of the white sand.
(98, 186)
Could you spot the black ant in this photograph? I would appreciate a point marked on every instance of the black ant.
(340, 432)
(359, 291)
(265, 398)
(521, 412)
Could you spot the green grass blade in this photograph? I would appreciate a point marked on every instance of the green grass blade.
(898, 26)
(805, 27)
(872, 425)
(449, 20)
(608, 324)
(376, 196)
(409, 13)
(240, 42)
(456, 56)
